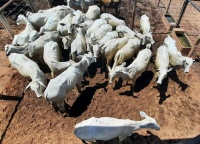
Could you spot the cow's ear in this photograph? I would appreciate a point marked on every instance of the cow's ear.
(143, 114)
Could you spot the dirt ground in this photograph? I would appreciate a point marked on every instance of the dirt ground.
(26, 119)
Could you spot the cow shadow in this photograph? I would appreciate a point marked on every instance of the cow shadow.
(173, 76)
(162, 89)
(82, 102)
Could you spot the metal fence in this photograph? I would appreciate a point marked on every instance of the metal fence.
(10, 9)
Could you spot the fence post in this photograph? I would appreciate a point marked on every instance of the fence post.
(133, 12)
(31, 5)
(182, 12)
(6, 25)
(195, 46)
(168, 6)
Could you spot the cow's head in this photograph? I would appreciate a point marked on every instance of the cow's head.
(148, 122)
(187, 62)
(116, 71)
(33, 36)
(37, 86)
(162, 73)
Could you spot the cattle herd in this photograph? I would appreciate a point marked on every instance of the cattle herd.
(87, 38)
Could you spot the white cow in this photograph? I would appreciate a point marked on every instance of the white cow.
(100, 32)
(135, 69)
(161, 64)
(125, 31)
(107, 128)
(176, 59)
(145, 24)
(111, 47)
(112, 20)
(65, 25)
(51, 54)
(38, 19)
(93, 13)
(78, 17)
(63, 8)
(58, 87)
(28, 34)
(29, 68)
(16, 49)
(78, 45)
(127, 51)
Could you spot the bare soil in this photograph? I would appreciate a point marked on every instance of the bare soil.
(26, 119)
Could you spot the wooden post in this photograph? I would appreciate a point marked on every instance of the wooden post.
(49, 3)
(133, 12)
(195, 46)
(32, 6)
(6, 25)
(158, 3)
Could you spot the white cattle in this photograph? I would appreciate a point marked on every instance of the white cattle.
(97, 23)
(127, 52)
(51, 23)
(93, 13)
(36, 48)
(135, 69)
(29, 68)
(16, 49)
(145, 24)
(112, 20)
(107, 128)
(176, 59)
(28, 34)
(111, 47)
(65, 25)
(108, 36)
(63, 8)
(67, 41)
(58, 87)
(78, 45)
(97, 47)
(125, 31)
(78, 17)
(38, 19)
(51, 54)
(86, 25)
(100, 32)
(161, 64)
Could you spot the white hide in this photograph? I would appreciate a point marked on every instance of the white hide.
(38, 19)
(125, 31)
(161, 64)
(78, 45)
(86, 25)
(127, 51)
(145, 24)
(112, 20)
(27, 34)
(58, 87)
(134, 70)
(176, 59)
(16, 49)
(100, 32)
(93, 13)
(111, 47)
(29, 68)
(78, 17)
(65, 25)
(97, 23)
(63, 8)
(51, 54)
(107, 128)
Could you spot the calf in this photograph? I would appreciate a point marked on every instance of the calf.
(107, 128)
(161, 64)
(61, 85)
(135, 69)
(29, 68)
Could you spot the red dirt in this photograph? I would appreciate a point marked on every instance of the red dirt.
(28, 119)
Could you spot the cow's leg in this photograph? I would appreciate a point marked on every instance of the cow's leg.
(78, 85)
